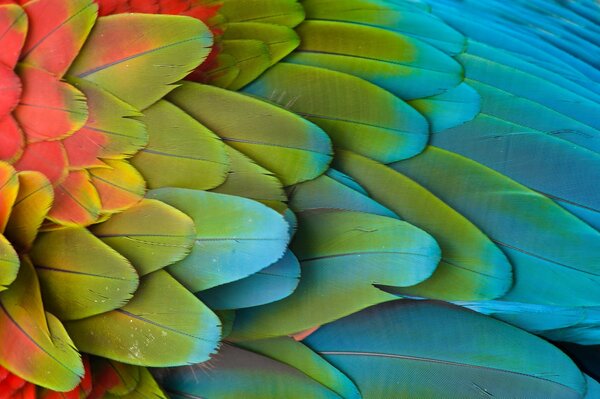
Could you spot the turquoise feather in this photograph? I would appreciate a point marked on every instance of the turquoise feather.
(428, 356)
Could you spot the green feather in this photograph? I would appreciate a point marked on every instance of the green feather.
(250, 180)
(40, 349)
(9, 263)
(472, 267)
(169, 48)
(343, 255)
(150, 330)
(403, 17)
(181, 152)
(440, 351)
(250, 59)
(235, 237)
(326, 192)
(279, 12)
(29, 210)
(302, 153)
(238, 373)
(400, 64)
(356, 114)
(151, 235)
(297, 355)
(281, 40)
(81, 276)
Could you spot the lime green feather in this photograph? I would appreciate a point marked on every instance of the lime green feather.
(181, 152)
(292, 148)
(250, 59)
(40, 349)
(400, 64)
(138, 57)
(151, 330)
(281, 40)
(356, 114)
(81, 276)
(151, 235)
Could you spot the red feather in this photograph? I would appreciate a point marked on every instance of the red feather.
(11, 139)
(49, 109)
(13, 24)
(10, 91)
(48, 157)
(57, 32)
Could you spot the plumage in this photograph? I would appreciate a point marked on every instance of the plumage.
(172, 186)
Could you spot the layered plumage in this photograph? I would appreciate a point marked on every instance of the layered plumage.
(378, 155)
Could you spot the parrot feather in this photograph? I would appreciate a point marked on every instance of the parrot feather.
(428, 357)
(224, 252)
(271, 284)
(302, 153)
(151, 235)
(126, 51)
(150, 331)
(80, 276)
(343, 255)
(195, 157)
(472, 266)
(357, 115)
(46, 354)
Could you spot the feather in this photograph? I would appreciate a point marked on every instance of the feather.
(428, 355)
(235, 373)
(280, 40)
(13, 25)
(357, 115)
(9, 190)
(76, 201)
(80, 276)
(249, 57)
(297, 355)
(302, 153)
(279, 12)
(49, 109)
(120, 185)
(149, 330)
(29, 210)
(9, 263)
(557, 261)
(250, 180)
(12, 141)
(327, 192)
(151, 235)
(529, 156)
(271, 284)
(472, 267)
(343, 254)
(400, 64)
(453, 108)
(57, 31)
(255, 237)
(194, 156)
(138, 57)
(395, 16)
(111, 131)
(46, 354)
(46, 157)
